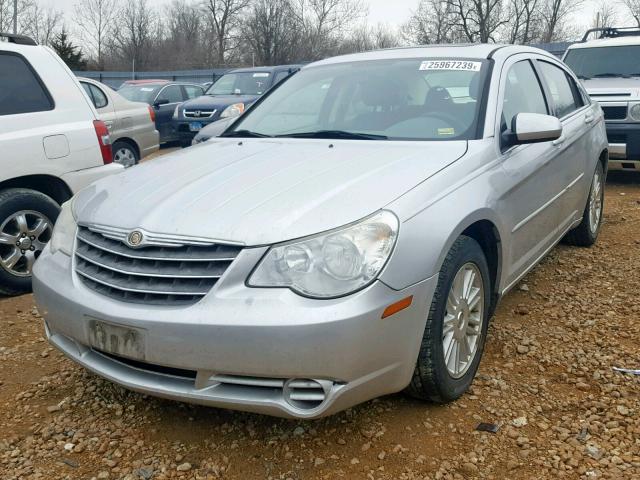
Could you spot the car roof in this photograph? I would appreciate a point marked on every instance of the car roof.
(462, 50)
(263, 69)
(607, 42)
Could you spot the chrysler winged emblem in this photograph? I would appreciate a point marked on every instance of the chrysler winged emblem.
(135, 238)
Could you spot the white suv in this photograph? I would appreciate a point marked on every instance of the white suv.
(609, 70)
(52, 144)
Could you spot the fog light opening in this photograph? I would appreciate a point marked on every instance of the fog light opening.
(305, 393)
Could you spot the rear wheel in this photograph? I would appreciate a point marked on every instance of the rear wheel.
(26, 225)
(456, 327)
(586, 234)
(125, 154)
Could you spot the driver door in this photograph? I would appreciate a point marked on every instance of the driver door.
(528, 206)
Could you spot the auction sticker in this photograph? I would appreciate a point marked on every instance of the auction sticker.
(451, 65)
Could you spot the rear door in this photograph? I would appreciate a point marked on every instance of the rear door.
(529, 207)
(574, 148)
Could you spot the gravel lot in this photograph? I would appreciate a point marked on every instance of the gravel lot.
(546, 380)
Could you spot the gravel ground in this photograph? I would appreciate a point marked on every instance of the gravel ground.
(546, 380)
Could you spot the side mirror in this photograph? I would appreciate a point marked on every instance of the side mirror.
(160, 102)
(532, 128)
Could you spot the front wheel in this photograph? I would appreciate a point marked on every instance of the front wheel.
(456, 327)
(586, 234)
(26, 225)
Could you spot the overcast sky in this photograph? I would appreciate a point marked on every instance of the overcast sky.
(392, 12)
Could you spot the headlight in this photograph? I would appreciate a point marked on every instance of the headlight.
(332, 264)
(234, 110)
(176, 112)
(64, 230)
(634, 112)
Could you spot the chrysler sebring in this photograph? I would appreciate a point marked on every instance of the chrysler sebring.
(348, 237)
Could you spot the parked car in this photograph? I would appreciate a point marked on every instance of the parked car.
(52, 144)
(604, 65)
(132, 127)
(228, 97)
(346, 238)
(164, 97)
(213, 130)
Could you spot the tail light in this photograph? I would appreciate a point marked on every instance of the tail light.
(103, 140)
(152, 114)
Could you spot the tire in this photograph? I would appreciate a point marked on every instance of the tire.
(433, 379)
(33, 207)
(125, 154)
(586, 234)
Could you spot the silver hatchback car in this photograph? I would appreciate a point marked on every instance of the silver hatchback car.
(348, 237)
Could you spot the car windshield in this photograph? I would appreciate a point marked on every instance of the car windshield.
(243, 83)
(604, 61)
(399, 99)
(139, 93)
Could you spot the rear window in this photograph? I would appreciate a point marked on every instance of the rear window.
(21, 90)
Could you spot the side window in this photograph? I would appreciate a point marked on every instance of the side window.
(563, 91)
(20, 89)
(280, 76)
(173, 93)
(99, 98)
(522, 93)
(192, 91)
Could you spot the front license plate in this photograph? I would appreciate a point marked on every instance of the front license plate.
(117, 340)
(195, 126)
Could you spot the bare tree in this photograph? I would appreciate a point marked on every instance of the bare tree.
(95, 21)
(523, 21)
(6, 14)
(271, 32)
(633, 6)
(432, 22)
(479, 20)
(42, 24)
(185, 35)
(134, 33)
(365, 37)
(605, 15)
(225, 16)
(556, 18)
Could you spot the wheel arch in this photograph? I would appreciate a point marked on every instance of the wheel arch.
(131, 142)
(49, 185)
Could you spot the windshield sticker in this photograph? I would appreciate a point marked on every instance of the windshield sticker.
(146, 89)
(260, 75)
(450, 65)
(446, 131)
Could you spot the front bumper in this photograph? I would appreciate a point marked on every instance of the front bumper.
(185, 135)
(247, 333)
(624, 145)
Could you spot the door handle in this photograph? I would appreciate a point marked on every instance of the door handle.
(559, 141)
(588, 118)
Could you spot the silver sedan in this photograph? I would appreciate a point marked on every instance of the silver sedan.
(346, 238)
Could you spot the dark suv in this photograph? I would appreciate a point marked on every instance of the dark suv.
(228, 97)
(164, 97)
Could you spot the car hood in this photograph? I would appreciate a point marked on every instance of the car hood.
(615, 89)
(262, 191)
(217, 101)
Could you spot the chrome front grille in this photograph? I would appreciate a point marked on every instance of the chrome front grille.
(161, 274)
(199, 113)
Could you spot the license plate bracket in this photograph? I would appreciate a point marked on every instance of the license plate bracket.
(195, 126)
(117, 340)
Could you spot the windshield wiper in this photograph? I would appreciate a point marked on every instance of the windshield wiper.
(583, 77)
(337, 134)
(245, 134)
(612, 75)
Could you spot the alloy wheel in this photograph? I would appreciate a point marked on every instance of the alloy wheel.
(463, 320)
(125, 156)
(23, 236)
(595, 203)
